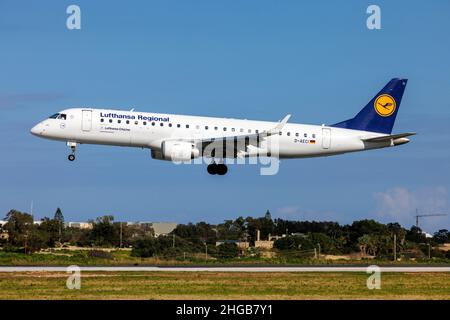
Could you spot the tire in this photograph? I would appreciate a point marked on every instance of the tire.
(212, 168)
(221, 169)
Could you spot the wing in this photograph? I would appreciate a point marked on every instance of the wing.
(240, 144)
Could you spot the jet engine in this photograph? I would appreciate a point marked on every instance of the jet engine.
(176, 151)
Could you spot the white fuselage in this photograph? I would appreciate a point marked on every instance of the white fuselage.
(149, 130)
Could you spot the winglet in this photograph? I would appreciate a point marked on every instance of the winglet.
(280, 125)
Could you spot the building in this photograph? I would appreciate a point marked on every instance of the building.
(263, 244)
(163, 228)
(79, 225)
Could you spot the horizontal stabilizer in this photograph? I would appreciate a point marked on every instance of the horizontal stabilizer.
(389, 137)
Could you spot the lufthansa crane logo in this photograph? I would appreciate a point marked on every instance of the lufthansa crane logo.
(385, 105)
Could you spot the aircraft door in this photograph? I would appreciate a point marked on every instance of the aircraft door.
(86, 122)
(326, 138)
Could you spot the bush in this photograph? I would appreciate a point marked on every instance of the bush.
(227, 251)
(144, 248)
(7, 247)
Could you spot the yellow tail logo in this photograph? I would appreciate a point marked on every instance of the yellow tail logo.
(385, 105)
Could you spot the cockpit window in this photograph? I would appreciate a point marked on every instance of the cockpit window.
(61, 116)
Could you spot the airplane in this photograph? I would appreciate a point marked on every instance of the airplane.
(185, 137)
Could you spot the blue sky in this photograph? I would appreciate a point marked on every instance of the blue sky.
(250, 59)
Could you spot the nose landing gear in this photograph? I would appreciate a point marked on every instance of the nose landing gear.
(73, 147)
(215, 168)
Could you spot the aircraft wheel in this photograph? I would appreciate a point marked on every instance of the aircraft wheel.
(212, 168)
(71, 157)
(221, 169)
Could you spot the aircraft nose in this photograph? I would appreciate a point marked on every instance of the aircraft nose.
(36, 130)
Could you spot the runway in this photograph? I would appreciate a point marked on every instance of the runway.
(403, 269)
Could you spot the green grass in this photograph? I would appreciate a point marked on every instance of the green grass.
(121, 257)
(217, 285)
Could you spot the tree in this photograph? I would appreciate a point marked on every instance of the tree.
(144, 248)
(197, 233)
(51, 228)
(368, 244)
(19, 226)
(293, 243)
(231, 230)
(23, 233)
(227, 250)
(442, 236)
(104, 232)
(268, 216)
(325, 242)
(416, 235)
(59, 218)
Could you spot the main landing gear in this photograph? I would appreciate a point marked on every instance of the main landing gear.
(219, 169)
(73, 147)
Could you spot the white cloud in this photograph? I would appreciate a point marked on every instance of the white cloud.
(400, 204)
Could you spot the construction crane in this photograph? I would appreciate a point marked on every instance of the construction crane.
(427, 215)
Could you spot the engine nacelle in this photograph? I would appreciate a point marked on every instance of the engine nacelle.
(176, 151)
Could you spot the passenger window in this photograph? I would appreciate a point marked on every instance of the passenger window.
(249, 130)
(197, 127)
(153, 123)
(305, 135)
(110, 120)
(178, 125)
(101, 120)
(296, 134)
(215, 128)
(241, 130)
(281, 133)
(256, 131)
(232, 129)
(288, 134)
(128, 121)
(314, 135)
(224, 129)
(136, 122)
(187, 126)
(161, 124)
(170, 125)
(119, 121)
(144, 123)
(206, 127)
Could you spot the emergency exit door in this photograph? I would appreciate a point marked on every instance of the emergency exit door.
(326, 138)
(86, 122)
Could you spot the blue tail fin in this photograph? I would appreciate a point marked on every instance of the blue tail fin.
(379, 114)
